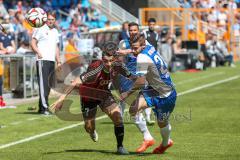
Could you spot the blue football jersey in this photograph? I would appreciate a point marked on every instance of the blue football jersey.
(151, 64)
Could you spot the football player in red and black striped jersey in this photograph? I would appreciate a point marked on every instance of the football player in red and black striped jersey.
(94, 91)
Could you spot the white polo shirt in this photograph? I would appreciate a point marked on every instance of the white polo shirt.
(47, 42)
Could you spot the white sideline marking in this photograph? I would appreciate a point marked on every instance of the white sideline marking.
(45, 134)
(200, 78)
(105, 116)
(208, 85)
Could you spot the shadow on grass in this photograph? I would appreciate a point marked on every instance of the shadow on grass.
(111, 123)
(103, 151)
(96, 151)
(30, 112)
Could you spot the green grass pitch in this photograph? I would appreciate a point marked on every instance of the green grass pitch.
(205, 125)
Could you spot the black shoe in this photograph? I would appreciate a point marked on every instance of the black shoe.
(122, 151)
(44, 112)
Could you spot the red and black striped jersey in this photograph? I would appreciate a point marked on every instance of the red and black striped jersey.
(96, 80)
(96, 76)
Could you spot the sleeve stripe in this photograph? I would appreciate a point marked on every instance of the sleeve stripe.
(93, 72)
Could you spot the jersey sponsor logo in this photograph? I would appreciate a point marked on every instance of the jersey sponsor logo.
(151, 50)
(104, 82)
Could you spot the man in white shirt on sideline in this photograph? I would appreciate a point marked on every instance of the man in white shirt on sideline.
(45, 44)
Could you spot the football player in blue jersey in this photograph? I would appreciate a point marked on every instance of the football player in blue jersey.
(130, 61)
(126, 84)
(159, 93)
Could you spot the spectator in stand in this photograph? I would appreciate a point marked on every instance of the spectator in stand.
(124, 33)
(192, 35)
(201, 36)
(7, 43)
(73, 10)
(3, 11)
(93, 14)
(9, 22)
(19, 7)
(71, 44)
(21, 25)
(21, 32)
(75, 23)
(177, 46)
(151, 35)
(222, 19)
(212, 50)
(232, 5)
(204, 3)
(186, 4)
(212, 18)
(223, 54)
(47, 6)
(83, 13)
(227, 36)
(212, 3)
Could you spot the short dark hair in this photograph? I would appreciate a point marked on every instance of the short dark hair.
(109, 48)
(138, 37)
(133, 24)
(152, 20)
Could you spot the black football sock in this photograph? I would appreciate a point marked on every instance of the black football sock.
(119, 133)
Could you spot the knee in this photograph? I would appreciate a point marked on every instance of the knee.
(117, 118)
(132, 111)
(162, 124)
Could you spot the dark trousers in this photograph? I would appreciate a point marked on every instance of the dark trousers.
(207, 57)
(45, 74)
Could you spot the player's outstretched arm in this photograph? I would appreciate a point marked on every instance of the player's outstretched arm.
(124, 51)
(139, 83)
(57, 105)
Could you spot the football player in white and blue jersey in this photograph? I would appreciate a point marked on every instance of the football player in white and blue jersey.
(159, 94)
(130, 62)
(126, 85)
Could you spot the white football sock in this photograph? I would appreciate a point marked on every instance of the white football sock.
(142, 126)
(148, 114)
(165, 133)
